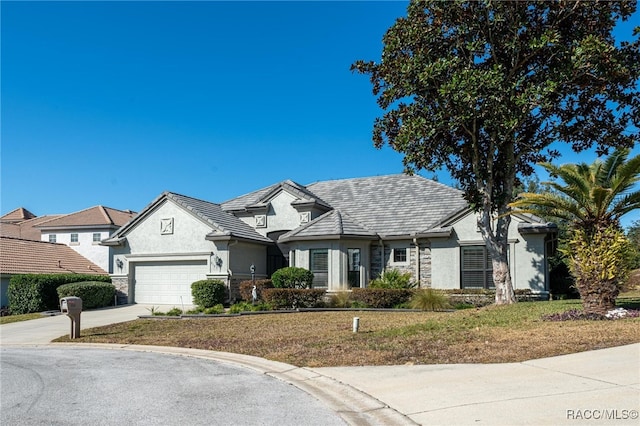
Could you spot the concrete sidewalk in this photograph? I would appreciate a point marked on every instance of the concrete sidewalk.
(594, 387)
(591, 388)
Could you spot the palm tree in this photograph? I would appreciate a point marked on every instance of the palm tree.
(592, 200)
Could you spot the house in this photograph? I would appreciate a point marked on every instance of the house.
(21, 256)
(83, 231)
(346, 231)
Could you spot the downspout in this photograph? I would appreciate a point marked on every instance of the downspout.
(415, 241)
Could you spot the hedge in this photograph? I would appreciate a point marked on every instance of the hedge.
(292, 298)
(381, 297)
(208, 293)
(94, 294)
(37, 292)
(292, 277)
(246, 287)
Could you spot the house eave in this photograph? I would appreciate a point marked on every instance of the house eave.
(546, 228)
(328, 237)
(229, 237)
(115, 242)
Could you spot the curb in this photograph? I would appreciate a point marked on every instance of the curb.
(355, 407)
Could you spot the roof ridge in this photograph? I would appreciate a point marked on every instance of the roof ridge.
(105, 214)
(339, 219)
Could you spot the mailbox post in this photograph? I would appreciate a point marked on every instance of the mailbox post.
(72, 306)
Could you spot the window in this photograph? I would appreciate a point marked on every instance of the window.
(400, 255)
(74, 238)
(52, 238)
(96, 237)
(319, 265)
(476, 268)
(353, 267)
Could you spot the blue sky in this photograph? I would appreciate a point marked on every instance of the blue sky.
(113, 103)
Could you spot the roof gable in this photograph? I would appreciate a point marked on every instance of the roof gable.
(220, 222)
(18, 256)
(18, 215)
(333, 224)
(262, 197)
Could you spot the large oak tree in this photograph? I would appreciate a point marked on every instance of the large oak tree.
(482, 89)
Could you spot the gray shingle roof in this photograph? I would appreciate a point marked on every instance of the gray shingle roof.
(222, 223)
(262, 196)
(392, 205)
(332, 224)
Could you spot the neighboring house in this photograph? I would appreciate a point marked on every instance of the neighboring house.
(83, 231)
(20, 256)
(345, 231)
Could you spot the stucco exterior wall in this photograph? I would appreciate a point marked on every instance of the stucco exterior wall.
(188, 235)
(93, 251)
(526, 256)
(337, 260)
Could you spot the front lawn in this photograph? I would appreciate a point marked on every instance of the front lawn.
(318, 339)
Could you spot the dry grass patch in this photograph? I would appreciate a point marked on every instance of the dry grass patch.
(316, 339)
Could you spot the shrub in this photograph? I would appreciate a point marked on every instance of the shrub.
(248, 307)
(392, 278)
(174, 312)
(293, 298)
(292, 277)
(341, 299)
(94, 294)
(429, 299)
(381, 297)
(247, 286)
(208, 293)
(37, 292)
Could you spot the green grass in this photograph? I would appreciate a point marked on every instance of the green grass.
(17, 318)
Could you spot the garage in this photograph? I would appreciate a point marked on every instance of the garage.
(167, 283)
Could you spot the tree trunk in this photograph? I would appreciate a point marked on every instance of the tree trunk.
(497, 243)
(598, 296)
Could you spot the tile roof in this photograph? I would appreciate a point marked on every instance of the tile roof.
(93, 216)
(26, 230)
(19, 256)
(18, 215)
(392, 205)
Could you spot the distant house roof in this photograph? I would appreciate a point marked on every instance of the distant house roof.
(26, 230)
(223, 225)
(98, 216)
(19, 256)
(18, 215)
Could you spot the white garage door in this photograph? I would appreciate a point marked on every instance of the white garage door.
(167, 282)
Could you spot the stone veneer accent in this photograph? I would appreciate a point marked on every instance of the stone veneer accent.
(122, 289)
(378, 263)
